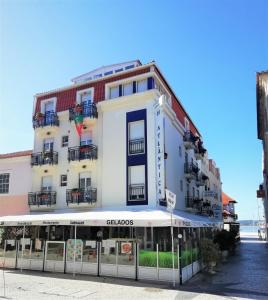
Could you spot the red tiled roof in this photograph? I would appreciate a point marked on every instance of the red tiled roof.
(226, 199)
(16, 154)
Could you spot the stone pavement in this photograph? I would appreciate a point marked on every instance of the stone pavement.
(244, 276)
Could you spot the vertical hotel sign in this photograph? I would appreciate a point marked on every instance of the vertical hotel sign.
(159, 138)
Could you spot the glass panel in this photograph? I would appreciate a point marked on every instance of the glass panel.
(90, 251)
(186, 249)
(55, 251)
(71, 248)
(38, 249)
(126, 253)
(147, 258)
(25, 246)
(166, 260)
(10, 248)
(114, 92)
(108, 252)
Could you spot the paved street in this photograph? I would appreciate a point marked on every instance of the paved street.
(244, 276)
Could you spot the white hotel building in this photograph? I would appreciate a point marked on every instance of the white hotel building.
(97, 201)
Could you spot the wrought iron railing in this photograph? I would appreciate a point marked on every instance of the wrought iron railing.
(78, 196)
(191, 168)
(136, 146)
(85, 109)
(136, 192)
(47, 119)
(44, 158)
(43, 198)
(82, 152)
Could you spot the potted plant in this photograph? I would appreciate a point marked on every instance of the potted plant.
(75, 192)
(209, 254)
(39, 116)
(226, 242)
(78, 108)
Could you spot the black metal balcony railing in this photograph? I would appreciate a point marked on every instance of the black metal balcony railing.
(136, 146)
(82, 152)
(189, 137)
(189, 202)
(85, 109)
(44, 158)
(136, 192)
(49, 118)
(77, 196)
(42, 198)
(191, 168)
(199, 148)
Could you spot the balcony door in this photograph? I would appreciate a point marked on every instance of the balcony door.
(48, 145)
(85, 180)
(86, 138)
(86, 101)
(46, 184)
(49, 112)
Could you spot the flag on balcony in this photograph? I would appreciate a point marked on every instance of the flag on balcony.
(79, 124)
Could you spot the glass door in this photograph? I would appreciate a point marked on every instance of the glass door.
(55, 256)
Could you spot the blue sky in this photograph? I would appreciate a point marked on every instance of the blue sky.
(208, 50)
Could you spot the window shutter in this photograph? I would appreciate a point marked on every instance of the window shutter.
(120, 90)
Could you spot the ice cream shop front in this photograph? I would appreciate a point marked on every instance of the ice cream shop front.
(128, 244)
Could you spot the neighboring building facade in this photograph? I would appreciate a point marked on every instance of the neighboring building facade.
(262, 124)
(229, 216)
(15, 182)
(105, 150)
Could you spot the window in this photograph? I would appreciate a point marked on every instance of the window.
(193, 192)
(108, 73)
(186, 124)
(97, 76)
(181, 185)
(136, 179)
(86, 139)
(86, 97)
(129, 67)
(49, 106)
(180, 152)
(128, 89)
(46, 183)
(114, 92)
(64, 141)
(4, 183)
(119, 70)
(48, 145)
(136, 137)
(84, 180)
(63, 180)
(142, 85)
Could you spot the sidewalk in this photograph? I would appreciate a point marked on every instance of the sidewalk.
(243, 276)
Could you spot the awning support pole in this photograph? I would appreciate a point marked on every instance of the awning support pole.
(22, 247)
(74, 250)
(173, 258)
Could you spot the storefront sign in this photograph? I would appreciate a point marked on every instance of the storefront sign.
(77, 222)
(126, 248)
(171, 200)
(120, 222)
(24, 223)
(51, 223)
(159, 138)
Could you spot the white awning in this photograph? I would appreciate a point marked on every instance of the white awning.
(137, 218)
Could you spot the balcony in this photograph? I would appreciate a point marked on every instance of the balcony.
(199, 150)
(189, 140)
(86, 152)
(189, 202)
(81, 197)
(201, 180)
(210, 195)
(44, 158)
(190, 170)
(260, 192)
(41, 121)
(136, 192)
(87, 111)
(136, 146)
(42, 200)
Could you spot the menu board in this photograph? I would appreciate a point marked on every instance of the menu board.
(71, 249)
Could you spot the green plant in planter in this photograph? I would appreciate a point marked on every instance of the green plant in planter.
(209, 252)
(225, 240)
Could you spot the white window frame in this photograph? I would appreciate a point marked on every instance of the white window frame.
(146, 85)
(3, 184)
(80, 93)
(48, 188)
(63, 182)
(186, 124)
(64, 144)
(43, 104)
(129, 139)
